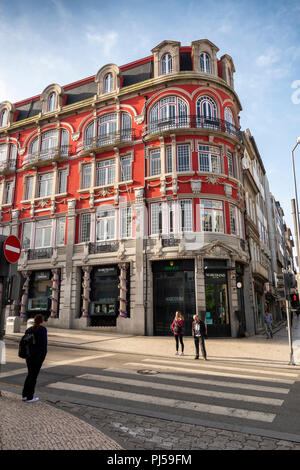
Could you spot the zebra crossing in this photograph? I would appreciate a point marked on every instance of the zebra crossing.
(201, 390)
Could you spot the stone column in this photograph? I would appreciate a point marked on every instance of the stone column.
(25, 294)
(86, 290)
(55, 292)
(65, 312)
(123, 290)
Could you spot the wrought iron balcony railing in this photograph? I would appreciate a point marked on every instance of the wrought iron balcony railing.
(51, 153)
(40, 253)
(7, 166)
(111, 138)
(103, 247)
(193, 122)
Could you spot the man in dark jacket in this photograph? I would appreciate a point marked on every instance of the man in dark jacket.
(35, 361)
(199, 333)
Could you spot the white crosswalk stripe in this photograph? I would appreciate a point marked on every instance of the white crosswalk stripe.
(194, 393)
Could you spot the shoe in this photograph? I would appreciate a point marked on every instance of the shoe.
(24, 398)
(182, 354)
(204, 359)
(33, 400)
(197, 357)
(176, 354)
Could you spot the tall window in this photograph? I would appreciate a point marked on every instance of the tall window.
(230, 163)
(52, 102)
(166, 64)
(183, 158)
(43, 229)
(29, 182)
(186, 216)
(126, 126)
(8, 192)
(126, 168)
(155, 163)
(105, 224)
(236, 227)
(229, 121)
(168, 113)
(26, 235)
(126, 222)
(212, 217)
(156, 218)
(62, 181)
(3, 152)
(45, 184)
(209, 159)
(206, 111)
(169, 159)
(107, 127)
(106, 172)
(108, 83)
(205, 63)
(49, 144)
(85, 227)
(86, 176)
(3, 118)
(60, 235)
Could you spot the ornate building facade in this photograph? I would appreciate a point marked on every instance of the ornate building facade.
(127, 192)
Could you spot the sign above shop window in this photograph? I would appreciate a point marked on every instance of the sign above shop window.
(42, 275)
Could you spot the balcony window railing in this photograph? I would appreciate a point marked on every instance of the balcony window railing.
(103, 247)
(194, 122)
(111, 138)
(47, 154)
(40, 253)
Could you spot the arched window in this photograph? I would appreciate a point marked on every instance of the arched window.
(229, 121)
(168, 113)
(166, 64)
(107, 127)
(51, 102)
(3, 118)
(89, 135)
(47, 146)
(205, 63)
(126, 126)
(207, 115)
(108, 83)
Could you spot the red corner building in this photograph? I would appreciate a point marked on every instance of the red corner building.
(126, 191)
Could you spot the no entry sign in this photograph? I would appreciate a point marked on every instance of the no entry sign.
(12, 249)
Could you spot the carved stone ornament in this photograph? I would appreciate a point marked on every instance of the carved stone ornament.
(212, 179)
(196, 186)
(139, 194)
(71, 204)
(163, 187)
(228, 190)
(75, 136)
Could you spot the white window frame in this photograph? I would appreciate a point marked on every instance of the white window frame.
(166, 64)
(86, 176)
(126, 222)
(106, 172)
(105, 223)
(186, 215)
(4, 118)
(60, 231)
(62, 183)
(184, 160)
(155, 162)
(85, 227)
(29, 188)
(45, 227)
(156, 218)
(52, 99)
(207, 209)
(126, 168)
(108, 83)
(212, 157)
(48, 180)
(9, 189)
(205, 63)
(26, 231)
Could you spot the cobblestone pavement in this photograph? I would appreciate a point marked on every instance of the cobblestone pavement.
(25, 426)
(135, 432)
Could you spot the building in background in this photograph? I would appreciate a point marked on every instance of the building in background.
(128, 193)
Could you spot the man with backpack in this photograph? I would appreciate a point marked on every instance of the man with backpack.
(33, 348)
(199, 333)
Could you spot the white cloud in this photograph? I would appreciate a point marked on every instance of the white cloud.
(107, 40)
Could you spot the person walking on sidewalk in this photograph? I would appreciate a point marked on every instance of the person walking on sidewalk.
(35, 361)
(177, 328)
(268, 319)
(199, 333)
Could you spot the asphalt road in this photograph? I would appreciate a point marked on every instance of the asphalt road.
(149, 402)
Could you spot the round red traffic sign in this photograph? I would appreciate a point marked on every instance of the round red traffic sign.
(12, 249)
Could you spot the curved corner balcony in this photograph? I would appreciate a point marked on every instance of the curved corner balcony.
(111, 138)
(44, 156)
(194, 122)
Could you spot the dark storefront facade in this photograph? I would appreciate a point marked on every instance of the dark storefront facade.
(173, 289)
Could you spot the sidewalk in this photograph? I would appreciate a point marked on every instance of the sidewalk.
(45, 429)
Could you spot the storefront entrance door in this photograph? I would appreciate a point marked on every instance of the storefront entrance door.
(217, 312)
(173, 289)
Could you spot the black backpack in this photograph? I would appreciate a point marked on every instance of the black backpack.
(27, 344)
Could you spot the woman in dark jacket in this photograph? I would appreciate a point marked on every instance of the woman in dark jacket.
(177, 327)
(35, 361)
(199, 333)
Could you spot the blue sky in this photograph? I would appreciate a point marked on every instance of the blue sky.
(63, 41)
